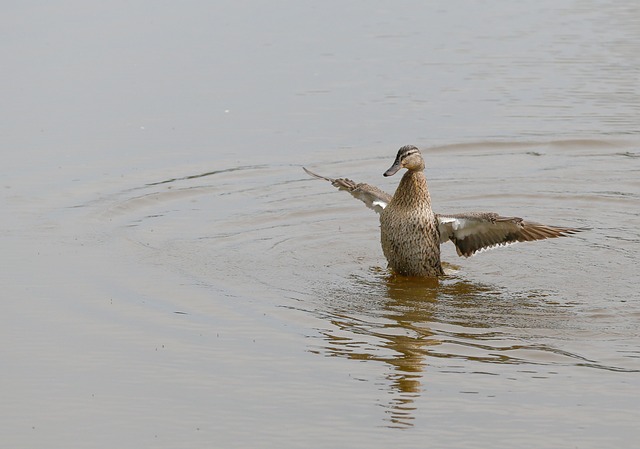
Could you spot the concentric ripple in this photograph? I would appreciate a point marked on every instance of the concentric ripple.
(272, 236)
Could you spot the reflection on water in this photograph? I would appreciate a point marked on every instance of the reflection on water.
(414, 325)
(397, 332)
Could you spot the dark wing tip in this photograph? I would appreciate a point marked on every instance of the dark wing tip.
(315, 175)
(340, 183)
(537, 231)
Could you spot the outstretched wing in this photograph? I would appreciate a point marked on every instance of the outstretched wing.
(373, 197)
(476, 231)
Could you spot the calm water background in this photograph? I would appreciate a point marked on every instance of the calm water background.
(171, 278)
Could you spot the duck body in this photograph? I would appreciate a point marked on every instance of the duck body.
(409, 229)
(411, 233)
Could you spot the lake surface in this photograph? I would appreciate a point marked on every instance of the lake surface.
(172, 278)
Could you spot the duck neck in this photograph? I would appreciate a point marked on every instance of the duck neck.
(412, 190)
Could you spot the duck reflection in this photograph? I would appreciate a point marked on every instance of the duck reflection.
(389, 320)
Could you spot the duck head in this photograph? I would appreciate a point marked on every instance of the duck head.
(408, 157)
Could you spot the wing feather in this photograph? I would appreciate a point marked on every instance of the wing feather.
(476, 231)
(371, 196)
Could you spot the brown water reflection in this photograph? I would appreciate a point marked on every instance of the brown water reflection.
(417, 326)
(404, 335)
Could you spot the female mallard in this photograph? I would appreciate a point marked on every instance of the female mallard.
(411, 233)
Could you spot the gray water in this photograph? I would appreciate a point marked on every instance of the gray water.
(172, 278)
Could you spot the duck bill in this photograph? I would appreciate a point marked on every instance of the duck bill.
(397, 165)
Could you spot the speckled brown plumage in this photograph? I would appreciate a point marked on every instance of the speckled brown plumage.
(409, 229)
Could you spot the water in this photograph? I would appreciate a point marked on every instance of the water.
(173, 278)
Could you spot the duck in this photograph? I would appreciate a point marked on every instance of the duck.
(411, 232)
